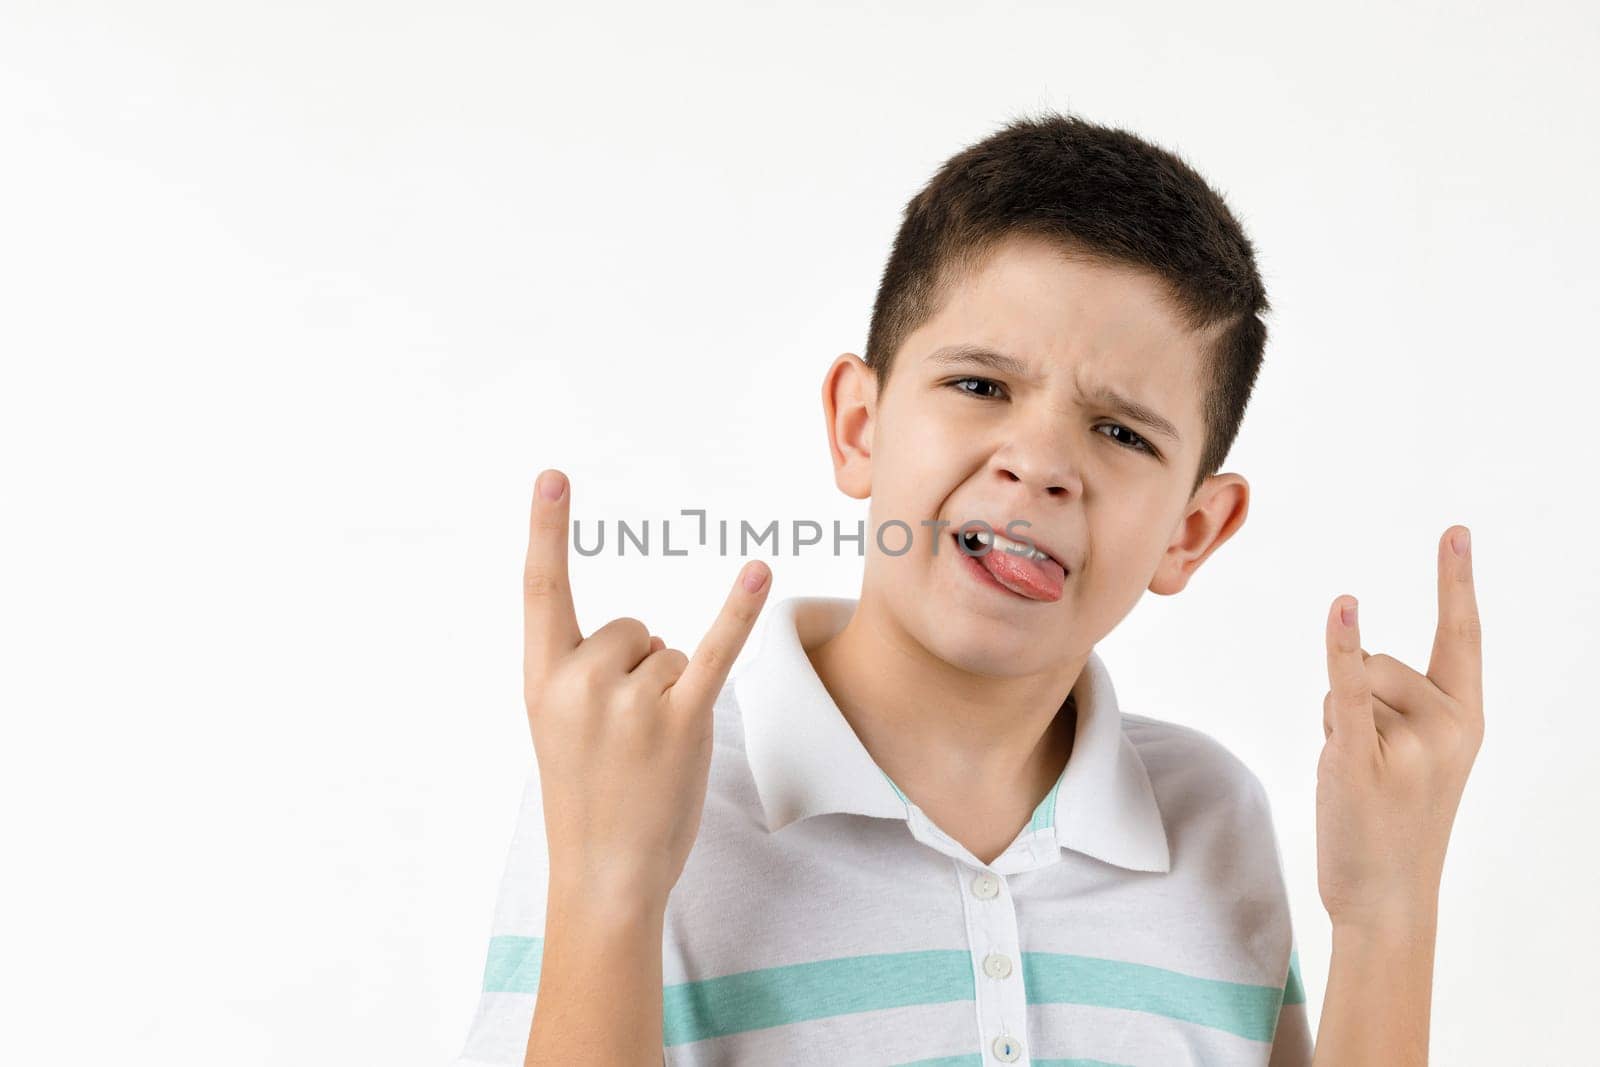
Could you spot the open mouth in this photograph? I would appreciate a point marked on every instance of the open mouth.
(1009, 565)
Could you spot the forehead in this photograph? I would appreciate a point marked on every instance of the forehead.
(1092, 324)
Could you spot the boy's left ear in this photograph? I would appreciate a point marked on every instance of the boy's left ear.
(1216, 511)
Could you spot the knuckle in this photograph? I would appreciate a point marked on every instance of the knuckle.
(589, 674)
(1334, 763)
(744, 612)
(560, 690)
(712, 657)
(628, 626)
(1464, 739)
(627, 699)
(540, 584)
(1471, 630)
(546, 524)
(1405, 744)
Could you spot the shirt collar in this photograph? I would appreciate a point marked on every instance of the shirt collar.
(806, 759)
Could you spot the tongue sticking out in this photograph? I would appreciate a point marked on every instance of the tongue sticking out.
(1036, 579)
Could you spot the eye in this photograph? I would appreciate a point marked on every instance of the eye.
(956, 385)
(1134, 443)
(1139, 443)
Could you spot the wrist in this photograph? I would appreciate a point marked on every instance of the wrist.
(600, 902)
(1401, 920)
(1390, 905)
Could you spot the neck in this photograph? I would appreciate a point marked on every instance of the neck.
(940, 731)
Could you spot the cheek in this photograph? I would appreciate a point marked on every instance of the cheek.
(1127, 536)
(933, 461)
(934, 442)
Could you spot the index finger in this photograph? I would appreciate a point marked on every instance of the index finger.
(1351, 712)
(702, 678)
(1456, 665)
(549, 621)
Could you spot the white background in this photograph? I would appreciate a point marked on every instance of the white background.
(297, 299)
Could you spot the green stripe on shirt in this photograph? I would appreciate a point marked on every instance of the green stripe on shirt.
(975, 1059)
(1294, 990)
(1251, 1011)
(513, 965)
(781, 996)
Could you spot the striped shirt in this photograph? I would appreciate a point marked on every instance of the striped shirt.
(1139, 918)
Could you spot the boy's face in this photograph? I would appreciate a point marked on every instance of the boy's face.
(1037, 446)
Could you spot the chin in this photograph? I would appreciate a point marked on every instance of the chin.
(984, 650)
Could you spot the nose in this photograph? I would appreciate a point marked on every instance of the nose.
(1036, 456)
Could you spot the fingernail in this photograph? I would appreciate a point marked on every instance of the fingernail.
(1348, 613)
(1461, 540)
(552, 485)
(754, 578)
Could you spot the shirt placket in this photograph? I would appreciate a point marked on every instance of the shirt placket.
(997, 966)
(993, 939)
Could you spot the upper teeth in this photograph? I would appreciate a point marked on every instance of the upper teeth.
(995, 540)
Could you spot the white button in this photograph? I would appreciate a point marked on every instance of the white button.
(996, 966)
(1007, 1049)
(986, 886)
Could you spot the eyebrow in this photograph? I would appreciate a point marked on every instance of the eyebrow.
(1125, 406)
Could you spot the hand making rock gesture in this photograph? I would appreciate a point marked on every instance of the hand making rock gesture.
(621, 724)
(1399, 746)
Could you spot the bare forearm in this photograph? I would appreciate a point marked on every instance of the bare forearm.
(599, 983)
(1379, 995)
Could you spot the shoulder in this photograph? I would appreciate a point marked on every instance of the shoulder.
(1173, 749)
(1225, 861)
(1193, 772)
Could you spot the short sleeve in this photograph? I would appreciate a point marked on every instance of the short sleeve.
(1292, 1045)
(498, 1036)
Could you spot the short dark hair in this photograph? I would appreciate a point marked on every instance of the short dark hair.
(1104, 194)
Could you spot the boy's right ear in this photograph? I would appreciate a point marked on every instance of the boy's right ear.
(850, 404)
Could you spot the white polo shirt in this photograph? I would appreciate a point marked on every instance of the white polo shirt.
(1139, 919)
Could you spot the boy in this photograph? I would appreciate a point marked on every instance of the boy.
(916, 828)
